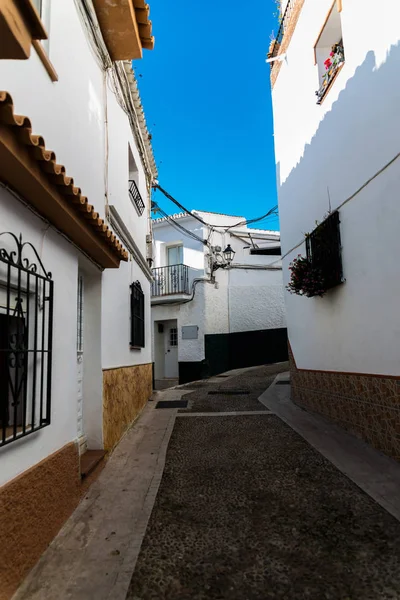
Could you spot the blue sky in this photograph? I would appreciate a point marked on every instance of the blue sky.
(205, 91)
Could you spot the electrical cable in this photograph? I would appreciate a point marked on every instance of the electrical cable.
(273, 210)
(194, 283)
(167, 195)
(364, 185)
(180, 227)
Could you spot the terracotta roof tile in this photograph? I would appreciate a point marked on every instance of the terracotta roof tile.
(56, 173)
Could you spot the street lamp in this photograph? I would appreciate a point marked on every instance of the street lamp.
(229, 254)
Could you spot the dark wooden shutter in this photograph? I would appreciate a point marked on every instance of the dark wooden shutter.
(137, 316)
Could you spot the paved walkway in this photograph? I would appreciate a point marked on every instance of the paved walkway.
(253, 504)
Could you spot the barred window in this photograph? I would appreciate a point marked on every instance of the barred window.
(137, 316)
(324, 250)
(26, 334)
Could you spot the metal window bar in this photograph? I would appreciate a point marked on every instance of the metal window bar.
(137, 316)
(26, 332)
(173, 279)
(287, 15)
(324, 250)
(135, 197)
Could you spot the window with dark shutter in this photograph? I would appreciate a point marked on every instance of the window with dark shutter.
(137, 316)
(324, 250)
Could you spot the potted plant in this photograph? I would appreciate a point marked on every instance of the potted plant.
(305, 280)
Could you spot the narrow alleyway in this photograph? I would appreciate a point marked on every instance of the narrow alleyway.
(247, 509)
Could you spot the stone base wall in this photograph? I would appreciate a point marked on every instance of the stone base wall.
(125, 393)
(33, 508)
(366, 405)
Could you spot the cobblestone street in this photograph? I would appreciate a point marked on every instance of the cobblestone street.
(248, 510)
(244, 508)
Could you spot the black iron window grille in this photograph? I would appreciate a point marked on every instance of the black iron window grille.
(170, 280)
(26, 332)
(324, 251)
(137, 316)
(332, 64)
(135, 197)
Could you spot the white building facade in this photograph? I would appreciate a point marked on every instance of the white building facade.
(210, 316)
(76, 168)
(335, 97)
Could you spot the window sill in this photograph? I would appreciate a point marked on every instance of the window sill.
(41, 52)
(136, 347)
(330, 84)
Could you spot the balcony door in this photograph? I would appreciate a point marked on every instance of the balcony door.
(175, 255)
(174, 272)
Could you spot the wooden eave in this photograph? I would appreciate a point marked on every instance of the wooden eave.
(31, 170)
(125, 27)
(20, 24)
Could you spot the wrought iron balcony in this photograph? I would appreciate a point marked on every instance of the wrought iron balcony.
(284, 21)
(135, 197)
(333, 64)
(170, 280)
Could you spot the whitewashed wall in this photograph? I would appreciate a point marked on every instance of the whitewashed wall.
(166, 235)
(192, 313)
(256, 300)
(116, 282)
(69, 113)
(240, 300)
(61, 259)
(338, 146)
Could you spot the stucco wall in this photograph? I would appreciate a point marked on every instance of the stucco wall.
(191, 313)
(240, 300)
(69, 114)
(322, 160)
(61, 258)
(256, 300)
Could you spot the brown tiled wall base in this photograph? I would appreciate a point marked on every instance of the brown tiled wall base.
(125, 392)
(291, 26)
(366, 405)
(33, 508)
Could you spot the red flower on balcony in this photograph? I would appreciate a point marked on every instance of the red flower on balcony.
(328, 63)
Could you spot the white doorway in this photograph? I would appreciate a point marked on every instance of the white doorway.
(89, 402)
(166, 353)
(175, 255)
(171, 351)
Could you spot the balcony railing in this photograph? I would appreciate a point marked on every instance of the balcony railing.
(170, 280)
(284, 21)
(135, 197)
(333, 64)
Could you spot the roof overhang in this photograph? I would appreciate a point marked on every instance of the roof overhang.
(31, 170)
(20, 24)
(125, 27)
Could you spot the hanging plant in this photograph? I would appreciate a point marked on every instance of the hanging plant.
(305, 280)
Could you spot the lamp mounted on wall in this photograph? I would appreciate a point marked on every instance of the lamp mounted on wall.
(222, 259)
(229, 254)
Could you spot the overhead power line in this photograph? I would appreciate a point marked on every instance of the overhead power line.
(273, 210)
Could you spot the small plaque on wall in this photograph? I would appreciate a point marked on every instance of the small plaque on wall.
(190, 332)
